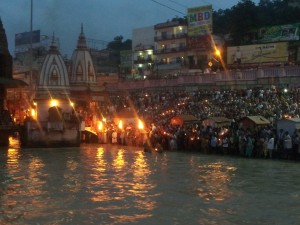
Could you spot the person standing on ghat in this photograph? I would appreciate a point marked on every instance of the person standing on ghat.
(271, 146)
(287, 146)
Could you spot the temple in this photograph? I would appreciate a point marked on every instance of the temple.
(6, 81)
(54, 122)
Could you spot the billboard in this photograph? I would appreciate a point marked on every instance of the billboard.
(199, 20)
(25, 38)
(200, 43)
(259, 53)
(289, 32)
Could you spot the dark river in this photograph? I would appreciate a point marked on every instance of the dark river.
(106, 184)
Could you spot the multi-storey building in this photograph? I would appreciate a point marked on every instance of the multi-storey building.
(170, 44)
(142, 50)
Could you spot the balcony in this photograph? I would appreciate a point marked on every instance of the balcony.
(170, 37)
(170, 50)
(143, 61)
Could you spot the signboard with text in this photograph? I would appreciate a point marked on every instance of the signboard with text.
(259, 53)
(199, 20)
(288, 32)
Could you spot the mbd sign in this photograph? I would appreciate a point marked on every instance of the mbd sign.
(198, 17)
(199, 21)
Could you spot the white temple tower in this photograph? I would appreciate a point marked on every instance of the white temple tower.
(53, 87)
(82, 70)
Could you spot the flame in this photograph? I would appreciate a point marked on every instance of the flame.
(100, 125)
(140, 125)
(120, 125)
(54, 102)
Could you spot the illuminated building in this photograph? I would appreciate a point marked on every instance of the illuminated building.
(55, 122)
(170, 45)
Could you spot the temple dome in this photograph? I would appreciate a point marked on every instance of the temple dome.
(82, 68)
(54, 76)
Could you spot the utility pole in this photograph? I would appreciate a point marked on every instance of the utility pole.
(31, 54)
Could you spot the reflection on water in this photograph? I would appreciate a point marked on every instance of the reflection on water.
(215, 180)
(108, 184)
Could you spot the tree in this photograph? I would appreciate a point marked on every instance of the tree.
(114, 47)
(243, 18)
(246, 18)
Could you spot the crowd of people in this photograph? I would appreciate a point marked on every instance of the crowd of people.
(158, 107)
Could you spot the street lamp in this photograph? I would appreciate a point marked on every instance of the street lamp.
(217, 52)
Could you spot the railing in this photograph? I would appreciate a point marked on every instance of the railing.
(170, 37)
(170, 50)
(211, 79)
(141, 61)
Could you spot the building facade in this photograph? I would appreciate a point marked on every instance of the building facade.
(170, 45)
(142, 52)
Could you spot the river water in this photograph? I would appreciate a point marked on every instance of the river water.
(106, 184)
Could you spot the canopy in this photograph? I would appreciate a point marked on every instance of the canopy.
(179, 120)
(216, 122)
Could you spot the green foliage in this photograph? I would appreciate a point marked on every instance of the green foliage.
(246, 16)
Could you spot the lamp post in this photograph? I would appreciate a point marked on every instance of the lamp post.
(31, 53)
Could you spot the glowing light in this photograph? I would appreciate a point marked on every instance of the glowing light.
(100, 125)
(218, 53)
(140, 125)
(120, 125)
(33, 113)
(54, 103)
(72, 104)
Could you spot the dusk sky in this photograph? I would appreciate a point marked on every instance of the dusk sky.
(101, 19)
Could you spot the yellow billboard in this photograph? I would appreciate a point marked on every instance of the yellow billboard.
(199, 20)
(259, 53)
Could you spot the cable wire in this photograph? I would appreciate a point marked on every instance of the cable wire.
(168, 7)
(184, 6)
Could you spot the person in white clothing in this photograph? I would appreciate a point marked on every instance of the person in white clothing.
(238, 56)
(287, 145)
(271, 146)
(114, 137)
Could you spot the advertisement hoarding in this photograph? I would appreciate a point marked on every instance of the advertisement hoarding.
(25, 38)
(288, 32)
(259, 53)
(199, 20)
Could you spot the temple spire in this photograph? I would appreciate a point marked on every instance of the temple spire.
(53, 46)
(81, 44)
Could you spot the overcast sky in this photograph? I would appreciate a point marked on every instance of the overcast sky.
(101, 19)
